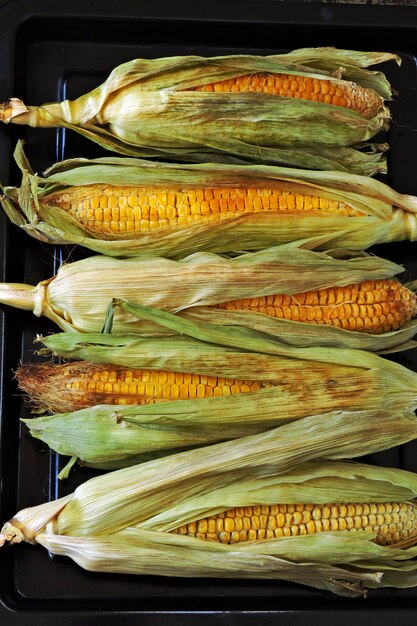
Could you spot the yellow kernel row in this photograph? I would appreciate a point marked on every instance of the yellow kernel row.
(372, 306)
(327, 91)
(392, 522)
(84, 384)
(107, 210)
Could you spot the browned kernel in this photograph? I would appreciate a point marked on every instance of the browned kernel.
(392, 305)
(338, 93)
(72, 386)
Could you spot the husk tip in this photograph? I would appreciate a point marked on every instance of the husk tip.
(10, 109)
(64, 473)
(10, 534)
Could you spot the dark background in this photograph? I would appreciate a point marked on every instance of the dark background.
(53, 50)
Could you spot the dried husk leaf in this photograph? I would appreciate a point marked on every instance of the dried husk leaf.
(389, 216)
(142, 109)
(317, 482)
(242, 471)
(146, 553)
(189, 286)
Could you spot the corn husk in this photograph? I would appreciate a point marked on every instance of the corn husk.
(144, 109)
(388, 215)
(120, 522)
(190, 286)
(207, 348)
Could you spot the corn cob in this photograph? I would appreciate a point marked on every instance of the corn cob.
(392, 522)
(112, 212)
(371, 307)
(128, 206)
(339, 93)
(72, 386)
(173, 106)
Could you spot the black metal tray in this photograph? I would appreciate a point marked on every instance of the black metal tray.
(50, 51)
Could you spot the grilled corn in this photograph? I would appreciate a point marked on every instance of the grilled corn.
(245, 291)
(123, 207)
(321, 102)
(123, 522)
(280, 384)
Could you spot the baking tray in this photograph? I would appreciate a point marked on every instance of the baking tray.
(51, 51)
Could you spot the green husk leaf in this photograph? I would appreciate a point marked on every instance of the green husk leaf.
(64, 473)
(243, 354)
(389, 216)
(105, 433)
(304, 334)
(229, 327)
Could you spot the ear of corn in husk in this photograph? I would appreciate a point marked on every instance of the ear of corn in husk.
(125, 521)
(74, 385)
(292, 383)
(193, 108)
(199, 286)
(123, 207)
(322, 385)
